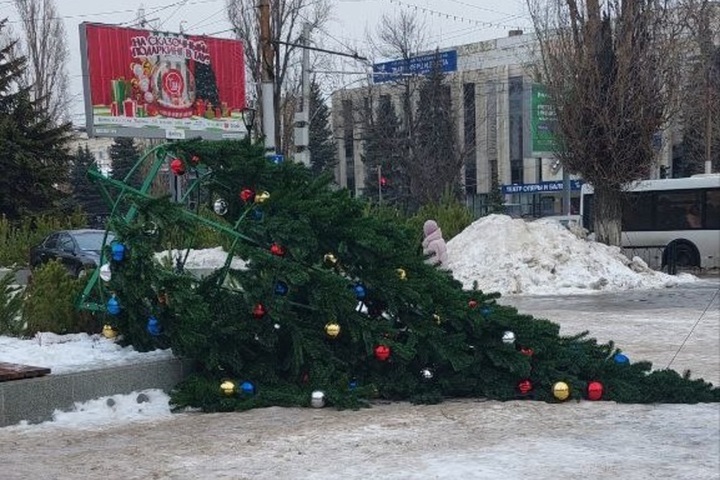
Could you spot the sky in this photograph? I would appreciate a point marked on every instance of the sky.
(448, 23)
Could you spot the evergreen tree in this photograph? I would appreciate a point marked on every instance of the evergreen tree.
(206, 84)
(436, 163)
(124, 155)
(384, 149)
(496, 200)
(85, 194)
(323, 151)
(334, 299)
(34, 156)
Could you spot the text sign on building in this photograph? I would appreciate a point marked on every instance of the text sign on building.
(544, 123)
(145, 84)
(422, 65)
(542, 187)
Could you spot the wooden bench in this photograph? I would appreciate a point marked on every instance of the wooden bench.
(15, 371)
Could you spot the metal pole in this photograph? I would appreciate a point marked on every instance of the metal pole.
(566, 192)
(267, 75)
(379, 173)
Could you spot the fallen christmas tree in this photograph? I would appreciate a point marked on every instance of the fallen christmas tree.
(334, 305)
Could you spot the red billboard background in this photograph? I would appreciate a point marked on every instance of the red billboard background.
(141, 77)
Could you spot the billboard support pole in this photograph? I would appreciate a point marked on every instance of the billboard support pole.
(268, 74)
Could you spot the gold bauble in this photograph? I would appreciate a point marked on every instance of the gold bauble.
(228, 387)
(402, 273)
(109, 332)
(330, 260)
(262, 197)
(561, 391)
(437, 318)
(332, 330)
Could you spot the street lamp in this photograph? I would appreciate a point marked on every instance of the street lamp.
(248, 117)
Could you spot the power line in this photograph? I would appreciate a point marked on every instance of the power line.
(450, 16)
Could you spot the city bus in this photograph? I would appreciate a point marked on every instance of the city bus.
(668, 223)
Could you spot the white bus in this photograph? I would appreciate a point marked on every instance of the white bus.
(669, 223)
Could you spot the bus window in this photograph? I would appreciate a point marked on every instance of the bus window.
(637, 212)
(712, 209)
(673, 208)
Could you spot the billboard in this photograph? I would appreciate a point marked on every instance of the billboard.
(146, 84)
(421, 65)
(542, 187)
(543, 123)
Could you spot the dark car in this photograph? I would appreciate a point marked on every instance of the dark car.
(78, 250)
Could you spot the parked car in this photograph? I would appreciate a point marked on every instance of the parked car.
(78, 250)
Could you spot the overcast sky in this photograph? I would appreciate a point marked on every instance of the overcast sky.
(449, 22)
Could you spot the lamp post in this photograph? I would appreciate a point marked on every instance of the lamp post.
(248, 117)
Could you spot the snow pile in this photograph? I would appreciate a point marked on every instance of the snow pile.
(72, 353)
(208, 258)
(543, 257)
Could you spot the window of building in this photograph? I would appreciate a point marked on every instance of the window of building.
(515, 112)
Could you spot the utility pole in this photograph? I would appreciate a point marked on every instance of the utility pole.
(267, 72)
(302, 118)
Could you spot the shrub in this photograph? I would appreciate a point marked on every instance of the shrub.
(50, 302)
(11, 301)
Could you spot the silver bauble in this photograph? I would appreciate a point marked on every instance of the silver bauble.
(317, 399)
(105, 273)
(220, 206)
(508, 337)
(427, 374)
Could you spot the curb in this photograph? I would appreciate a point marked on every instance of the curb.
(35, 399)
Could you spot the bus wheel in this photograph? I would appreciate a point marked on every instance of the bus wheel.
(681, 254)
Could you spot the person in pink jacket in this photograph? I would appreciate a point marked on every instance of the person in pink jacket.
(434, 245)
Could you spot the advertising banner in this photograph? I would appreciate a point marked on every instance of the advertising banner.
(146, 84)
(542, 187)
(543, 123)
(422, 65)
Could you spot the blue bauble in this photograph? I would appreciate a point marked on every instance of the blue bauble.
(257, 213)
(113, 306)
(118, 252)
(153, 326)
(353, 384)
(359, 291)
(281, 288)
(247, 388)
(621, 359)
(485, 311)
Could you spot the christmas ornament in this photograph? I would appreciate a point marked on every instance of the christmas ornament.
(153, 326)
(359, 290)
(150, 228)
(105, 273)
(113, 306)
(353, 384)
(485, 311)
(259, 311)
(426, 374)
(117, 251)
(277, 250)
(247, 388)
(526, 351)
(247, 195)
(228, 387)
(317, 399)
(281, 288)
(594, 391)
(508, 337)
(472, 303)
(382, 352)
(621, 359)
(437, 318)
(330, 260)
(402, 274)
(108, 331)
(162, 297)
(524, 386)
(361, 308)
(194, 160)
(257, 213)
(561, 391)
(332, 330)
(177, 166)
(262, 197)
(276, 326)
(220, 206)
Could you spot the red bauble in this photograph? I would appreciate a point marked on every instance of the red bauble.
(177, 166)
(524, 386)
(526, 351)
(594, 391)
(194, 160)
(259, 311)
(382, 352)
(276, 249)
(247, 195)
(472, 303)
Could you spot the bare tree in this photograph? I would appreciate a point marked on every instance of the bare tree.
(46, 50)
(611, 68)
(287, 19)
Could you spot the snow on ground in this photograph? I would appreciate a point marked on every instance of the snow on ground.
(515, 257)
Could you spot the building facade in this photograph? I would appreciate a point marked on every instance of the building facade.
(495, 106)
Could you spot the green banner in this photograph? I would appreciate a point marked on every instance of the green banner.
(543, 122)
